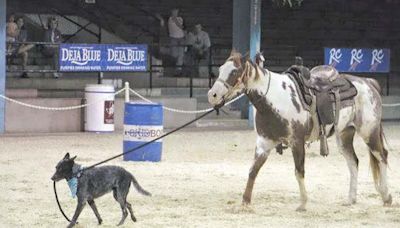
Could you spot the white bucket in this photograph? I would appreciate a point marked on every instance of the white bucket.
(99, 114)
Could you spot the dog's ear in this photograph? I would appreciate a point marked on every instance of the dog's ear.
(66, 156)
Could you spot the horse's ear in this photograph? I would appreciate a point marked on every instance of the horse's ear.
(66, 156)
(73, 158)
(259, 59)
(233, 52)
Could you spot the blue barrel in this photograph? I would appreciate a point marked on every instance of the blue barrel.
(143, 123)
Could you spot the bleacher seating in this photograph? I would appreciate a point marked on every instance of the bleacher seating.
(285, 32)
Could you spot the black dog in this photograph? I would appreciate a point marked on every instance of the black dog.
(95, 182)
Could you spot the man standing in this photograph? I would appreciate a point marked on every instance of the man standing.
(177, 38)
(52, 35)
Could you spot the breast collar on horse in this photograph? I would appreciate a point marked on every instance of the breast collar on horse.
(230, 87)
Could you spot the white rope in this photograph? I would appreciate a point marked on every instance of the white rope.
(179, 110)
(55, 108)
(391, 105)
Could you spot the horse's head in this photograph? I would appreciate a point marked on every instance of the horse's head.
(234, 77)
(230, 80)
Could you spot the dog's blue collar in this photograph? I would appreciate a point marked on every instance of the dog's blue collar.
(73, 182)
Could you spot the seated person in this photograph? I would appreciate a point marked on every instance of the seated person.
(11, 32)
(16, 50)
(52, 35)
(199, 47)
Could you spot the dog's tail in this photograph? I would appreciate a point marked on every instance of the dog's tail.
(139, 188)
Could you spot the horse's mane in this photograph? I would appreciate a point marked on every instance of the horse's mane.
(236, 58)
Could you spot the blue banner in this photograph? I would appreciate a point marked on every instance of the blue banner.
(365, 60)
(102, 57)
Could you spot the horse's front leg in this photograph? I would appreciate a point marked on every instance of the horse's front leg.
(299, 155)
(263, 148)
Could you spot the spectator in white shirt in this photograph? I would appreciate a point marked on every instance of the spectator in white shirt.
(177, 37)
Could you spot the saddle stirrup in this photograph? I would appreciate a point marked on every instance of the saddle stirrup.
(324, 150)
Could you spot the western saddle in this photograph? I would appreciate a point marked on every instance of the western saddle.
(324, 92)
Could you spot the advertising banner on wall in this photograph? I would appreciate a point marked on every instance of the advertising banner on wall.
(102, 57)
(362, 60)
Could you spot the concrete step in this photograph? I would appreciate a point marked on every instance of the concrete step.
(15, 71)
(49, 83)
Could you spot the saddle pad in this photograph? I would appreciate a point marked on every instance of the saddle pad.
(295, 74)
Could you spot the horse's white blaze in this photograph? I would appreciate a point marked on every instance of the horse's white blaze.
(216, 93)
(219, 92)
(226, 69)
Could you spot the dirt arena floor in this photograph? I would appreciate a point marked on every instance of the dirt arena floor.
(199, 183)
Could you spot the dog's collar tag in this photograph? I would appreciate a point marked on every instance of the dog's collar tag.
(73, 186)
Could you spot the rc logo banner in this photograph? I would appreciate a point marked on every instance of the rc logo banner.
(102, 57)
(365, 60)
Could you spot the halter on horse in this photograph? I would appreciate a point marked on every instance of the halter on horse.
(280, 117)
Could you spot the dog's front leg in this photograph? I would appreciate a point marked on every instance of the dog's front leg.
(78, 211)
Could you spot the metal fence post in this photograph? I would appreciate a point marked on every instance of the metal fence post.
(127, 91)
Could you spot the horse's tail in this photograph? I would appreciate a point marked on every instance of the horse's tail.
(374, 163)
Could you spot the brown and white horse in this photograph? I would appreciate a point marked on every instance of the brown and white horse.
(279, 118)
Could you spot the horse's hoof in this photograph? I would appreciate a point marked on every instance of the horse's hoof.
(100, 221)
(301, 209)
(388, 202)
(246, 201)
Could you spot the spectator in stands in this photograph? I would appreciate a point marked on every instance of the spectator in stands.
(199, 47)
(12, 29)
(11, 32)
(18, 49)
(177, 38)
(52, 35)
